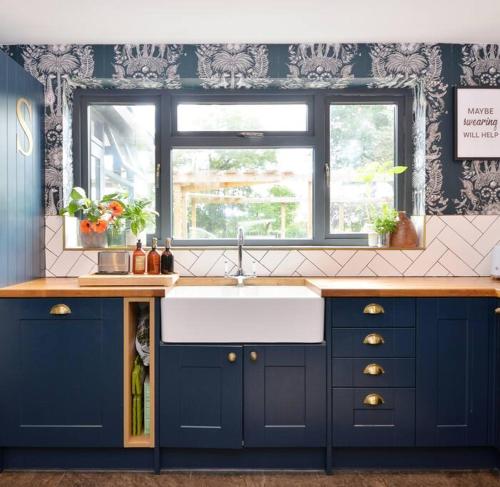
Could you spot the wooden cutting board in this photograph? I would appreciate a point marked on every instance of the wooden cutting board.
(165, 280)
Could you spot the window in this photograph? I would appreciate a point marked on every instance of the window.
(117, 137)
(267, 192)
(362, 147)
(290, 168)
(209, 117)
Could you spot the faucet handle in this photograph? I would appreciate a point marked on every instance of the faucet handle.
(241, 236)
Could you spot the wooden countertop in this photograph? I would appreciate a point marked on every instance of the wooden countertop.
(406, 286)
(327, 287)
(66, 287)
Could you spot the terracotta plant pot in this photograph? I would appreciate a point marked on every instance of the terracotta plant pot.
(405, 236)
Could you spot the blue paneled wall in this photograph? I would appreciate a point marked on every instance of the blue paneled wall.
(21, 174)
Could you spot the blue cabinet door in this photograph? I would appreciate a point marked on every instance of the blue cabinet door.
(201, 396)
(62, 376)
(389, 424)
(452, 372)
(496, 377)
(285, 395)
(354, 312)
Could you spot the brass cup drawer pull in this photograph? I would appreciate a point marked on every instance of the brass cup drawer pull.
(374, 309)
(373, 400)
(373, 339)
(497, 311)
(231, 357)
(373, 369)
(253, 356)
(60, 310)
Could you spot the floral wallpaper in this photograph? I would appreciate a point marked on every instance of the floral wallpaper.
(443, 185)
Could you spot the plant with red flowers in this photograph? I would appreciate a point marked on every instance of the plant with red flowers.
(111, 213)
(95, 216)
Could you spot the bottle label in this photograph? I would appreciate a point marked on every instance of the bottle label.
(140, 263)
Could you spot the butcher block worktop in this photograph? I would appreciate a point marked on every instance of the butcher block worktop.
(406, 286)
(68, 287)
(327, 287)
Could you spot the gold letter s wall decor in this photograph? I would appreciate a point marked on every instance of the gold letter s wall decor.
(24, 125)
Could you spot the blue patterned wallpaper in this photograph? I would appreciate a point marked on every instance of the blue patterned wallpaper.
(452, 187)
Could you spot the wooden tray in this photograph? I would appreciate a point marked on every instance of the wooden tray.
(165, 280)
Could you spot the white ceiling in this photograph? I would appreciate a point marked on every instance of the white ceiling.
(267, 21)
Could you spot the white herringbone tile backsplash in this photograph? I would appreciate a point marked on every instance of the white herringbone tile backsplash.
(455, 246)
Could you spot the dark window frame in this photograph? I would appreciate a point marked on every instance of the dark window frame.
(316, 136)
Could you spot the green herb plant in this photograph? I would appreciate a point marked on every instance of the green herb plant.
(139, 215)
(385, 220)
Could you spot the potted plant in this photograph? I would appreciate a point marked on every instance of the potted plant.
(384, 222)
(138, 215)
(371, 174)
(95, 216)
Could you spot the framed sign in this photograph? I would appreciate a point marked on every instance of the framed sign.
(477, 123)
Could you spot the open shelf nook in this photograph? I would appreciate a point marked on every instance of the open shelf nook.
(132, 315)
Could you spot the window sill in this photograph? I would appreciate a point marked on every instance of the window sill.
(249, 247)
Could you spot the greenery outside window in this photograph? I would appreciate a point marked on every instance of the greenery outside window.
(291, 168)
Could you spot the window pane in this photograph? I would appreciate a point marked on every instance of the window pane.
(122, 150)
(362, 151)
(241, 117)
(267, 192)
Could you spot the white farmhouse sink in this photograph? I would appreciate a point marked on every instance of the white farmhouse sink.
(248, 314)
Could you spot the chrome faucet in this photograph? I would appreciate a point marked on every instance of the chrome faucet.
(240, 275)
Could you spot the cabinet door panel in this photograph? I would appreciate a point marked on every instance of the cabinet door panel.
(350, 312)
(387, 425)
(350, 372)
(63, 378)
(285, 396)
(200, 396)
(351, 342)
(452, 371)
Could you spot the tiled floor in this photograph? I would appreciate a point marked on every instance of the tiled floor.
(351, 479)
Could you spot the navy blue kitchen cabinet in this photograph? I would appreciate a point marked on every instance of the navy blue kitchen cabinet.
(230, 396)
(389, 424)
(453, 372)
(373, 312)
(284, 396)
(372, 372)
(62, 374)
(496, 366)
(201, 396)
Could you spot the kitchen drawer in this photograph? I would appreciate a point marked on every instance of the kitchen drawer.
(363, 342)
(387, 312)
(393, 372)
(80, 308)
(390, 424)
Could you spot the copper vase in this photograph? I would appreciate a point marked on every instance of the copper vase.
(405, 236)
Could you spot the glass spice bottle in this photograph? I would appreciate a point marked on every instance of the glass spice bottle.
(167, 258)
(154, 258)
(139, 259)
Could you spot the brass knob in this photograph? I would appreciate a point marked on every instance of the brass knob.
(373, 369)
(497, 311)
(60, 309)
(373, 339)
(253, 356)
(373, 309)
(231, 356)
(373, 400)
